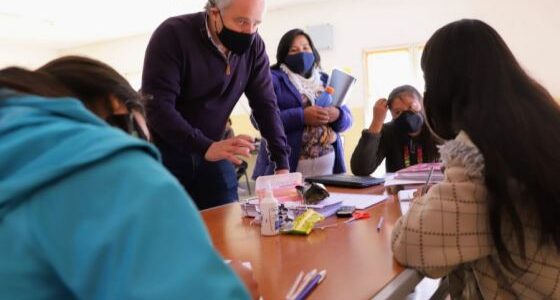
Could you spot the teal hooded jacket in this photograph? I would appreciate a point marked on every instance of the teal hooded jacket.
(88, 212)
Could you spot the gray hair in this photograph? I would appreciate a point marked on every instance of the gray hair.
(220, 4)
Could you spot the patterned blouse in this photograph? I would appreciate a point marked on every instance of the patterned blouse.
(317, 140)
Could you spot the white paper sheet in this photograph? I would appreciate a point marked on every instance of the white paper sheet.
(360, 201)
(406, 195)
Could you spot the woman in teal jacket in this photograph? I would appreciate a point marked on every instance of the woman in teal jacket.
(87, 211)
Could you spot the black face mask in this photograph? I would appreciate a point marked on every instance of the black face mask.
(236, 42)
(409, 122)
(128, 124)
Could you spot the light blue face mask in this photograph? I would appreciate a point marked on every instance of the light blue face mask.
(300, 63)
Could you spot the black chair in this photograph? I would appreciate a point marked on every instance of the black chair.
(241, 170)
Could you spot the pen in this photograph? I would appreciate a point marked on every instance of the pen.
(295, 285)
(307, 290)
(306, 280)
(380, 223)
(425, 188)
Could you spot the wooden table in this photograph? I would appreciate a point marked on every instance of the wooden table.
(358, 259)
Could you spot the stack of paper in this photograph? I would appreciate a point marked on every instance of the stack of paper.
(405, 197)
(421, 172)
(327, 207)
(250, 207)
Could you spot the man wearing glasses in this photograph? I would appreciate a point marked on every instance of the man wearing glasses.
(196, 67)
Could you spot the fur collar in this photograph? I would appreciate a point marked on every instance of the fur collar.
(462, 151)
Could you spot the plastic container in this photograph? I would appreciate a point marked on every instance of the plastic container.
(270, 224)
(325, 99)
(283, 187)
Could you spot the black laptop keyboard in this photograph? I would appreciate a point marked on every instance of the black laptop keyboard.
(346, 180)
(350, 178)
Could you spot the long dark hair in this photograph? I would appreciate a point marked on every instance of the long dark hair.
(30, 82)
(92, 80)
(286, 43)
(475, 84)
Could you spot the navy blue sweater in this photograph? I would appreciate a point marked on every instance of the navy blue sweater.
(195, 88)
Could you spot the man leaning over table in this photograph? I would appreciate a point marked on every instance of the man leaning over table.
(196, 67)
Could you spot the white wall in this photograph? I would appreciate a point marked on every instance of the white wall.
(22, 55)
(529, 27)
(531, 30)
(125, 55)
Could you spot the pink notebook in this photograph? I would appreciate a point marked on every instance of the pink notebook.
(421, 172)
(423, 167)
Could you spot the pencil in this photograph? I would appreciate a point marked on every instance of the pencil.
(295, 285)
(425, 188)
(306, 280)
(311, 285)
(380, 223)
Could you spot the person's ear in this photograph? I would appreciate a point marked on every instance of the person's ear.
(117, 106)
(215, 11)
(215, 15)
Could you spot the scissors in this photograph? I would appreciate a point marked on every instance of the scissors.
(358, 216)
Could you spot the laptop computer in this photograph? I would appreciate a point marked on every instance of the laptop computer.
(346, 180)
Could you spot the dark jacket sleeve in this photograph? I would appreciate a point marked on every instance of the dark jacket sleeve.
(262, 100)
(161, 78)
(370, 152)
(292, 118)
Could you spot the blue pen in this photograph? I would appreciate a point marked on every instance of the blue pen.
(307, 290)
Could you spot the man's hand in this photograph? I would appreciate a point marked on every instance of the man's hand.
(228, 149)
(246, 275)
(379, 113)
(315, 116)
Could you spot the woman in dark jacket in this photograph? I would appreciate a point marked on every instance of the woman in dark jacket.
(403, 142)
(312, 130)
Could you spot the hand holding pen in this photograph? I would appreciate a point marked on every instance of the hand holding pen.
(424, 189)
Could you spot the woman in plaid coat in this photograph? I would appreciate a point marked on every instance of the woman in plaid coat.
(491, 227)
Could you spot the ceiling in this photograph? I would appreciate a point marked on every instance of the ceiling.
(61, 24)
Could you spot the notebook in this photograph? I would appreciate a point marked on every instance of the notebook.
(421, 172)
(342, 83)
(346, 180)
